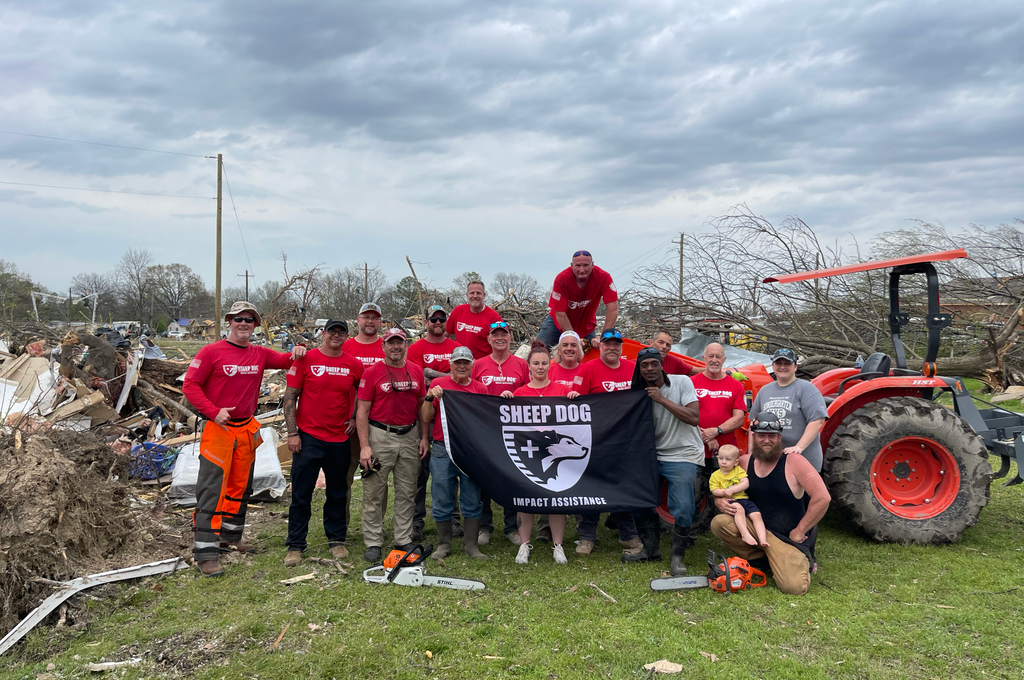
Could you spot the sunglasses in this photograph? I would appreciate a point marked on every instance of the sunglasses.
(373, 469)
(436, 319)
(582, 252)
(772, 425)
(244, 319)
(405, 386)
(612, 335)
(499, 324)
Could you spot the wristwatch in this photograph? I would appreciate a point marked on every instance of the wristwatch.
(428, 398)
(720, 430)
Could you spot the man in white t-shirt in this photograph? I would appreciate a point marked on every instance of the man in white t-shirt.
(680, 456)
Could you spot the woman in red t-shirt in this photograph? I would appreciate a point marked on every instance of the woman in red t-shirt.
(540, 386)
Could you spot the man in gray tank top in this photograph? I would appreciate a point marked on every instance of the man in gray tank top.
(797, 404)
(778, 485)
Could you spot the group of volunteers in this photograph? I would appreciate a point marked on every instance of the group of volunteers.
(370, 401)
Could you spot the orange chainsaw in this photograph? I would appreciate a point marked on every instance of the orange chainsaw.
(405, 568)
(725, 575)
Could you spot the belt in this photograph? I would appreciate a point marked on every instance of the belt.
(239, 421)
(391, 428)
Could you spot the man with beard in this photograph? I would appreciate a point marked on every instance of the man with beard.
(318, 417)
(680, 457)
(387, 416)
(792, 499)
(432, 353)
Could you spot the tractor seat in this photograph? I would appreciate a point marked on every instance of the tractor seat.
(877, 363)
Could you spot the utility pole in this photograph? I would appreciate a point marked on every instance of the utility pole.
(366, 281)
(247, 275)
(220, 197)
(69, 307)
(680, 244)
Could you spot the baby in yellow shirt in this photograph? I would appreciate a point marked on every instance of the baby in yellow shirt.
(730, 481)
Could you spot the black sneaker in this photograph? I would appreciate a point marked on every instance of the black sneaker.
(372, 554)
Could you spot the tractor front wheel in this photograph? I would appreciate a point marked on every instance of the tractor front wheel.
(908, 471)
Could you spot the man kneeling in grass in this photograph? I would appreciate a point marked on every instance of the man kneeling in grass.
(792, 499)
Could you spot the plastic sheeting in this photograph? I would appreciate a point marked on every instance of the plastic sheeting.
(267, 478)
(692, 344)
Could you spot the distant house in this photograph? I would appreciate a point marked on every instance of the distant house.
(181, 325)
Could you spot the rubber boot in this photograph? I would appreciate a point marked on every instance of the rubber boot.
(472, 531)
(680, 542)
(444, 540)
(650, 537)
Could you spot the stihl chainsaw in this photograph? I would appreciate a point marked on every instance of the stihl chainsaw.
(725, 575)
(406, 569)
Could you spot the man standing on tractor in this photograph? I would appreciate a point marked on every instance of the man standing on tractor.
(223, 383)
(575, 296)
(797, 404)
(680, 457)
(792, 498)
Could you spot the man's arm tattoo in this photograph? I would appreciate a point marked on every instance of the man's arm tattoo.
(431, 373)
(291, 397)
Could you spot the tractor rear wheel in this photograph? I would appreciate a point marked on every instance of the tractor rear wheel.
(908, 471)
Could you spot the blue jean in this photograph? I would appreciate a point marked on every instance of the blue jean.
(445, 479)
(333, 458)
(682, 489)
(548, 333)
(587, 525)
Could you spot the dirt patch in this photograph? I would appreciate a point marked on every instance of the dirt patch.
(65, 511)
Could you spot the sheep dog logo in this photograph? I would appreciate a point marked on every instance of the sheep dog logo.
(552, 457)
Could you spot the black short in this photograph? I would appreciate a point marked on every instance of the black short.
(748, 505)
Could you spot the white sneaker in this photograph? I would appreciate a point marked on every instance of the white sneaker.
(523, 556)
(560, 555)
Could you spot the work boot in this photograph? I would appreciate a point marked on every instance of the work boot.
(372, 554)
(210, 568)
(483, 538)
(680, 542)
(444, 540)
(339, 551)
(293, 558)
(237, 546)
(473, 529)
(513, 538)
(650, 539)
(584, 547)
(417, 534)
(631, 546)
(544, 535)
(457, 531)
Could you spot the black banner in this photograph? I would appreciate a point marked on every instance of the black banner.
(552, 455)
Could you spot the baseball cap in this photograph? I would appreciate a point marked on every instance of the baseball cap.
(569, 334)
(786, 354)
(336, 323)
(461, 354)
(393, 333)
(434, 309)
(499, 325)
(648, 353)
(370, 307)
(243, 306)
(611, 334)
(766, 421)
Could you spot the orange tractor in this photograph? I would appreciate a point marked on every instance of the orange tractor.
(904, 468)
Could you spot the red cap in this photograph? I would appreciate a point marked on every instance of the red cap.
(392, 333)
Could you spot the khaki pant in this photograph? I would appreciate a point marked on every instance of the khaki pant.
(790, 568)
(398, 453)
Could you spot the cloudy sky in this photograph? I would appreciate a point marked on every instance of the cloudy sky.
(494, 136)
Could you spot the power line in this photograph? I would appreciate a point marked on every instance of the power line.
(239, 223)
(115, 146)
(109, 191)
(644, 256)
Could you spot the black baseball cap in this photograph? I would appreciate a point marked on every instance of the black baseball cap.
(611, 334)
(335, 323)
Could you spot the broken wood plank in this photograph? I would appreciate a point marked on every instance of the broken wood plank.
(298, 579)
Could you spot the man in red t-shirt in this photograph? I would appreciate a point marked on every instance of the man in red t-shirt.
(369, 349)
(662, 341)
(447, 480)
(722, 401)
(500, 372)
(609, 373)
(432, 353)
(223, 383)
(387, 419)
(318, 418)
(468, 323)
(575, 296)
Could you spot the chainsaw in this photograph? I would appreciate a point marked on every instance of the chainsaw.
(405, 568)
(725, 575)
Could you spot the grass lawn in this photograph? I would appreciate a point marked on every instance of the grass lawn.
(874, 611)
